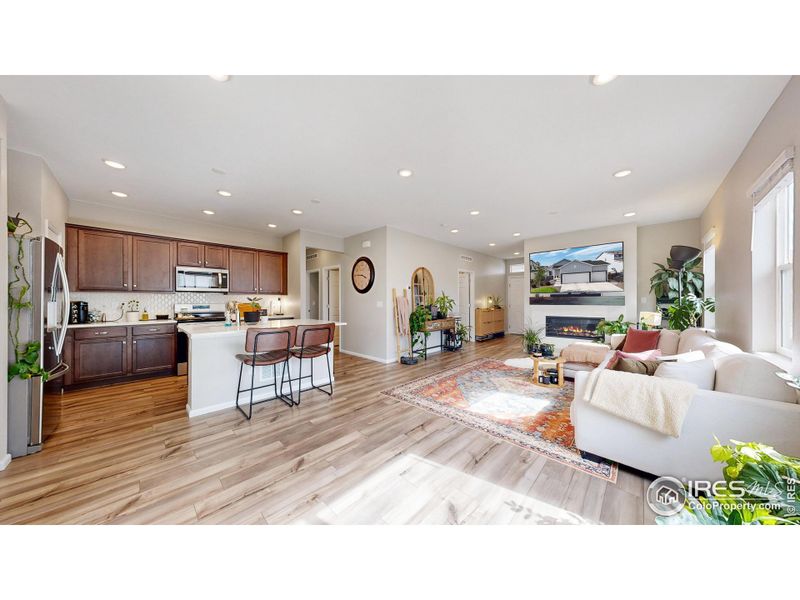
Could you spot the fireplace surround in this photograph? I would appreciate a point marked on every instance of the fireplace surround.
(581, 328)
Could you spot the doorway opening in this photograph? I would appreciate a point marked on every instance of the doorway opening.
(314, 294)
(332, 297)
(515, 303)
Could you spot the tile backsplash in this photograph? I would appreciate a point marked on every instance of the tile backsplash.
(162, 303)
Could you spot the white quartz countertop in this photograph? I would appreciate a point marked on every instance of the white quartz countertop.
(122, 323)
(214, 329)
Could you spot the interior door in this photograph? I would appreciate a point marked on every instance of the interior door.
(465, 299)
(334, 310)
(515, 303)
(313, 295)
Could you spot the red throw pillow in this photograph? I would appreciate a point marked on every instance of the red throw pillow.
(639, 340)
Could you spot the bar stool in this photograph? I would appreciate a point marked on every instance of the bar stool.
(315, 341)
(266, 347)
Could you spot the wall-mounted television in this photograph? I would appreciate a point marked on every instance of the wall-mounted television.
(580, 275)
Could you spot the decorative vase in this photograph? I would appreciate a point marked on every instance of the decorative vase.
(252, 316)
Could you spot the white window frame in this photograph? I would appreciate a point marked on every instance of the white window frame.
(784, 250)
(516, 268)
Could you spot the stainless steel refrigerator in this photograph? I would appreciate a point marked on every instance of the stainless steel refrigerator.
(34, 407)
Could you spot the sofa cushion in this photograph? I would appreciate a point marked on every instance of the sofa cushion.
(618, 354)
(693, 338)
(716, 350)
(639, 340)
(668, 341)
(750, 375)
(699, 372)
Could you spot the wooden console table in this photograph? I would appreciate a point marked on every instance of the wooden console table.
(489, 322)
(441, 325)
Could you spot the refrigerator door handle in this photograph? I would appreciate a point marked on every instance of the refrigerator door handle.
(61, 270)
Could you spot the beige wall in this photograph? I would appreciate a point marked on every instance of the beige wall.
(654, 242)
(730, 212)
(4, 456)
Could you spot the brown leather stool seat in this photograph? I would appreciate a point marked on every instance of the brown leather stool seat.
(313, 341)
(266, 347)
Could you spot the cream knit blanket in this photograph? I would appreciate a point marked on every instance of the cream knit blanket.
(657, 403)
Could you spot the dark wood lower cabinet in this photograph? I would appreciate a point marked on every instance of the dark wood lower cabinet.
(103, 355)
(105, 358)
(152, 353)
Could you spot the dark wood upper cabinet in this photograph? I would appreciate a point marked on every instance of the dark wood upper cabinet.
(271, 273)
(190, 254)
(216, 257)
(153, 264)
(243, 271)
(106, 260)
(102, 260)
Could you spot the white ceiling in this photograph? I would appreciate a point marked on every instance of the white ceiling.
(533, 154)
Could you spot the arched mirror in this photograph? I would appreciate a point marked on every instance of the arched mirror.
(423, 291)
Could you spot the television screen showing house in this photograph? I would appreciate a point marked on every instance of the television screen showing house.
(580, 275)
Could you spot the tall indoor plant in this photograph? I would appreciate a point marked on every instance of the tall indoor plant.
(417, 333)
(670, 284)
(26, 363)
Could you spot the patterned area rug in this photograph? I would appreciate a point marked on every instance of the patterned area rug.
(502, 400)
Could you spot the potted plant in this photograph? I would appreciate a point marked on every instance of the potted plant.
(495, 302)
(252, 316)
(531, 339)
(685, 312)
(132, 314)
(416, 327)
(462, 333)
(605, 328)
(444, 304)
(667, 283)
(548, 350)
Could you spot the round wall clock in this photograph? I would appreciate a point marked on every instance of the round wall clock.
(363, 275)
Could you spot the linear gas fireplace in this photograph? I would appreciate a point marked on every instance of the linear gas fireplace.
(581, 328)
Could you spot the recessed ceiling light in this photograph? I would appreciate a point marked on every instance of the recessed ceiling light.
(492, 244)
(217, 171)
(119, 194)
(629, 214)
(113, 164)
(315, 201)
(454, 231)
(225, 193)
(220, 78)
(474, 213)
(405, 172)
(603, 79)
(516, 253)
(297, 211)
(623, 173)
(517, 234)
(208, 212)
(271, 225)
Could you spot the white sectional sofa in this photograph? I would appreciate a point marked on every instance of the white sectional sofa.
(748, 403)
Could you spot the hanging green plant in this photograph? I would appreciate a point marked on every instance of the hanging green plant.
(26, 354)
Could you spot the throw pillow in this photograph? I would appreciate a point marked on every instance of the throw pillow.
(750, 375)
(647, 355)
(641, 367)
(639, 340)
(699, 372)
(668, 341)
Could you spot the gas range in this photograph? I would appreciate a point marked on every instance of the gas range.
(199, 313)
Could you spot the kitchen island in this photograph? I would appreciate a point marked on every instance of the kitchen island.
(214, 368)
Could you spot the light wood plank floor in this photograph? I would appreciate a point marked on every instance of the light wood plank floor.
(129, 454)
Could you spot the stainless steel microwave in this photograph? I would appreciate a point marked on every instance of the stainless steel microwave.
(198, 279)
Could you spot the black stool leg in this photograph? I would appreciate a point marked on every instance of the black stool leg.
(299, 381)
(239, 389)
(330, 377)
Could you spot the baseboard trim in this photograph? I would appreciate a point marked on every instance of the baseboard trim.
(384, 361)
(5, 461)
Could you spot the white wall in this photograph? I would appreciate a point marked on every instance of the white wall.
(4, 456)
(654, 242)
(128, 219)
(365, 314)
(406, 252)
(35, 193)
(730, 212)
(535, 315)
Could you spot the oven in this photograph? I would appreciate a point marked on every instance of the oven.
(197, 279)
